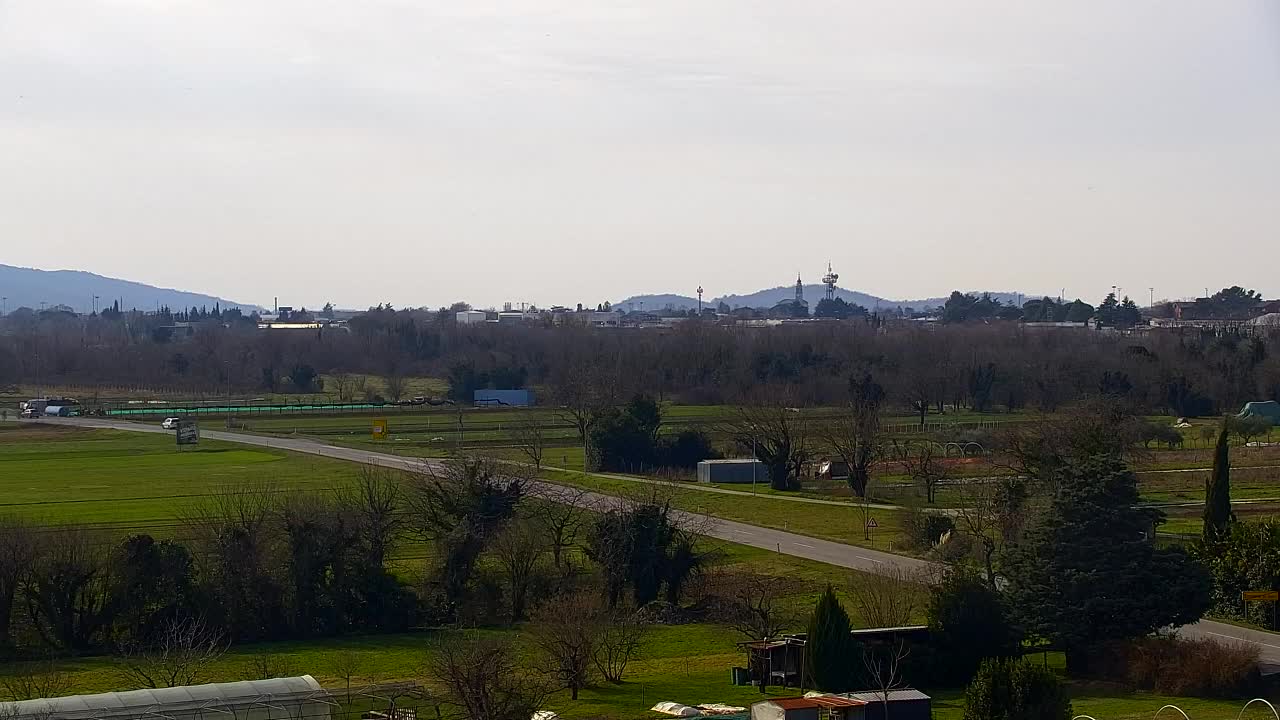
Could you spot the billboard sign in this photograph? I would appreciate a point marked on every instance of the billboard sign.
(380, 429)
(188, 432)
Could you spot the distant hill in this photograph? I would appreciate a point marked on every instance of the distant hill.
(30, 287)
(812, 293)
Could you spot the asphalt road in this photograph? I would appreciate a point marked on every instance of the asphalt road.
(832, 553)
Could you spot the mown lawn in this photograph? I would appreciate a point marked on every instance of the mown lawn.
(58, 474)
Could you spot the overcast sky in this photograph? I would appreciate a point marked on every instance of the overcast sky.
(421, 152)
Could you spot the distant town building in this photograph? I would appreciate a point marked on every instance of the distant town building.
(471, 317)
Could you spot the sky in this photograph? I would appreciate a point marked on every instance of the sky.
(554, 152)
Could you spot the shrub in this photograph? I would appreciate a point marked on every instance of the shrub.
(1015, 690)
(924, 528)
(1172, 665)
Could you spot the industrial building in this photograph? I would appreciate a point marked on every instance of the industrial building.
(293, 698)
(472, 317)
(732, 470)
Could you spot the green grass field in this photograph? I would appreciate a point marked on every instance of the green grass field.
(58, 474)
(124, 481)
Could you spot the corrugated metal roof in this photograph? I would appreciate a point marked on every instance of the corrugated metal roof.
(890, 630)
(875, 696)
(835, 701)
(175, 699)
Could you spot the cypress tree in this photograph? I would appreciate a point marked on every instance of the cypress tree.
(1217, 490)
(829, 652)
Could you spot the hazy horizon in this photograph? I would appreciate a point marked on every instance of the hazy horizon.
(558, 152)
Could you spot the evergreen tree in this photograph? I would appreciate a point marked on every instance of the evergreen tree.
(829, 650)
(968, 623)
(1217, 490)
(1108, 309)
(1087, 570)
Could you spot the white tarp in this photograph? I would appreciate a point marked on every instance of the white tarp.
(676, 709)
(718, 709)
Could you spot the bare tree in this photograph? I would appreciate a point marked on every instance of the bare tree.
(530, 437)
(978, 516)
(581, 393)
(620, 640)
(179, 654)
(377, 500)
(755, 603)
(884, 666)
(265, 666)
(888, 597)
(17, 553)
(1207, 434)
(482, 680)
(519, 549)
(342, 382)
(779, 436)
(460, 505)
(238, 550)
(395, 385)
(922, 464)
(36, 679)
(69, 590)
(347, 665)
(562, 514)
(854, 434)
(567, 631)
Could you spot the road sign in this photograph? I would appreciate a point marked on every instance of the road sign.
(1261, 595)
(380, 429)
(188, 432)
(871, 523)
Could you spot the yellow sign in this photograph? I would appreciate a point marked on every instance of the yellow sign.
(380, 429)
(1261, 595)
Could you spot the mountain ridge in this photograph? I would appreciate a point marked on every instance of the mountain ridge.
(813, 293)
(30, 287)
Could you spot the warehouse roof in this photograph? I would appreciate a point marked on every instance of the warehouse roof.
(167, 702)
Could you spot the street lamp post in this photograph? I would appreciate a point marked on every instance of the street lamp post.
(753, 466)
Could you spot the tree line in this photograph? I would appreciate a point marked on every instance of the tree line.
(255, 563)
(994, 367)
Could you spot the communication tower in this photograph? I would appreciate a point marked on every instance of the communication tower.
(830, 280)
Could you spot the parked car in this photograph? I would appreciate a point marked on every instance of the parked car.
(171, 423)
(30, 413)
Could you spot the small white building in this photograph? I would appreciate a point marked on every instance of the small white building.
(471, 317)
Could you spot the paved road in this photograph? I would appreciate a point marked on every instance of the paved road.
(787, 543)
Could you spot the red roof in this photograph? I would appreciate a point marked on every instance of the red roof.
(794, 703)
(832, 701)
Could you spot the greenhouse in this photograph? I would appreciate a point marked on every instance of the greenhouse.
(294, 698)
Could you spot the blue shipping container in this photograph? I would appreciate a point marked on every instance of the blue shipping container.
(504, 398)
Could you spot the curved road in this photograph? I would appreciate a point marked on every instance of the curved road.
(787, 543)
